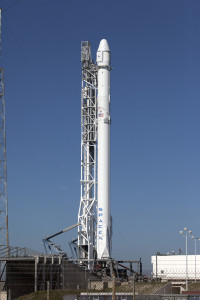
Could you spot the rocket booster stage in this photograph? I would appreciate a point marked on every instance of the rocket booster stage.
(103, 209)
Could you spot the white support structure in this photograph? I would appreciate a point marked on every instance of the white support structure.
(88, 202)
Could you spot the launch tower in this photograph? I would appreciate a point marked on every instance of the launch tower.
(4, 244)
(88, 202)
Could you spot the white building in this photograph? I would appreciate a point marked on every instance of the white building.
(171, 267)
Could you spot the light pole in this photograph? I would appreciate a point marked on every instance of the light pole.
(195, 252)
(186, 237)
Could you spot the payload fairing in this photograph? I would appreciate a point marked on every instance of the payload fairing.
(94, 231)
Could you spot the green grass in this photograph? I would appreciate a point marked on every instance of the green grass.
(54, 295)
(193, 286)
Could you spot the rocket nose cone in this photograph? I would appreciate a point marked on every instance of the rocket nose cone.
(103, 46)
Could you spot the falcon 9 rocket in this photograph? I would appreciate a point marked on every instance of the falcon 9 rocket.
(103, 199)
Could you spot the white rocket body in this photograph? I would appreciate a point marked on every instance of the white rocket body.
(103, 209)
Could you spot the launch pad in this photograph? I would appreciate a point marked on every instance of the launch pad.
(93, 245)
(100, 267)
(91, 249)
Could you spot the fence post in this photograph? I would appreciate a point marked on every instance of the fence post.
(48, 292)
(113, 287)
(9, 294)
(88, 287)
(133, 287)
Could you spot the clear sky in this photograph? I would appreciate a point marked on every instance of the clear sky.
(155, 108)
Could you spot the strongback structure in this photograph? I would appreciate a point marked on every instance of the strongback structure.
(3, 169)
(88, 202)
(94, 230)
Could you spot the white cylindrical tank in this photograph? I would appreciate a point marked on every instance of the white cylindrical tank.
(103, 208)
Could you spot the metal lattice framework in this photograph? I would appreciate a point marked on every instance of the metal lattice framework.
(88, 202)
(3, 170)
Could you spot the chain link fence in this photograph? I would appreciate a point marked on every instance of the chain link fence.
(61, 279)
(130, 285)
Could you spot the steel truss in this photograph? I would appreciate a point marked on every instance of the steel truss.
(88, 201)
(3, 171)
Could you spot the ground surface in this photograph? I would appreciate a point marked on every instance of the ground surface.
(140, 288)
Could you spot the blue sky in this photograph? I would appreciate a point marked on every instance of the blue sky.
(155, 139)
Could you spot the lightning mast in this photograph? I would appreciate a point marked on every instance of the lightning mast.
(4, 241)
(87, 216)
